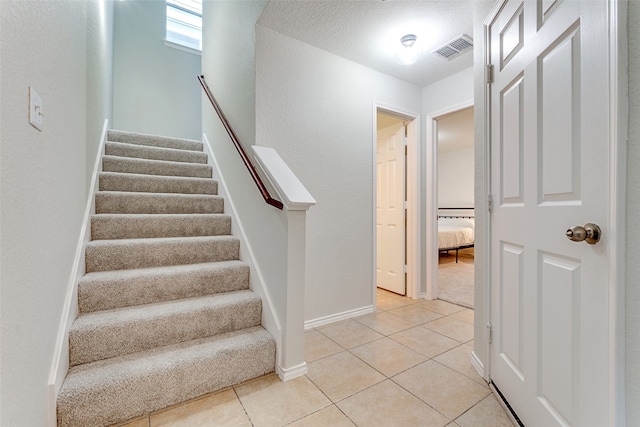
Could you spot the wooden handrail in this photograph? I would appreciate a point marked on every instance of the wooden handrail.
(243, 155)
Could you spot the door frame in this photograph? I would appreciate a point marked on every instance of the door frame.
(618, 116)
(431, 220)
(413, 229)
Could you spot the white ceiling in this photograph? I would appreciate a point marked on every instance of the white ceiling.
(368, 31)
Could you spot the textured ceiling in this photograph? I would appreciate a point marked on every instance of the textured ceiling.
(368, 31)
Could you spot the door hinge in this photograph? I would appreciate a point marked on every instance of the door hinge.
(405, 269)
(404, 205)
(490, 332)
(490, 203)
(489, 74)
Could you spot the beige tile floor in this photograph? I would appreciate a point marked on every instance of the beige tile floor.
(408, 364)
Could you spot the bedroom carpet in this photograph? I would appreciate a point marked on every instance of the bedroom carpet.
(455, 280)
(166, 313)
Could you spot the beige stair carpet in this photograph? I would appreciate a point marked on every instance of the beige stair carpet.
(166, 313)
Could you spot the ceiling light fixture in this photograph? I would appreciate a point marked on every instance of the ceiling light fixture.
(409, 50)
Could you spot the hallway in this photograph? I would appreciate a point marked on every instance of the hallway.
(406, 365)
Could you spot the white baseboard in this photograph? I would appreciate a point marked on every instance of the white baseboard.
(60, 362)
(326, 320)
(475, 361)
(293, 372)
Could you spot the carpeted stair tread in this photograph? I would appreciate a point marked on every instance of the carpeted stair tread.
(154, 153)
(125, 202)
(154, 140)
(107, 290)
(118, 389)
(155, 167)
(104, 334)
(133, 226)
(115, 181)
(123, 254)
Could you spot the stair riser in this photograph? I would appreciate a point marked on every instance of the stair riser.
(153, 153)
(171, 283)
(156, 184)
(153, 140)
(131, 227)
(101, 341)
(149, 167)
(130, 390)
(132, 254)
(150, 203)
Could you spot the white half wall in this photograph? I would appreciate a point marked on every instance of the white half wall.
(43, 188)
(317, 110)
(155, 86)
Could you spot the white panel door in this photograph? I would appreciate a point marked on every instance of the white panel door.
(549, 106)
(390, 212)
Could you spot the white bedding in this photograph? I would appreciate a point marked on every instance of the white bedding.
(455, 232)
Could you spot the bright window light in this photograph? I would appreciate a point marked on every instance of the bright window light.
(184, 23)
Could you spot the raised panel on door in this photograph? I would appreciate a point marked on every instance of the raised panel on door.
(558, 328)
(560, 119)
(511, 343)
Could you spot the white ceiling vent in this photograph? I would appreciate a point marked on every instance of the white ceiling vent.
(455, 47)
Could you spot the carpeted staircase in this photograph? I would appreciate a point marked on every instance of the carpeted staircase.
(166, 313)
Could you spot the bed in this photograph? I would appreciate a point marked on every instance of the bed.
(455, 229)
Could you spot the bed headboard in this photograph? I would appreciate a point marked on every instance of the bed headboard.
(456, 213)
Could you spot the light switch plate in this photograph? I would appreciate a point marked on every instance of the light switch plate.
(35, 109)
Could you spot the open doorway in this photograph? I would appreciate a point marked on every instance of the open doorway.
(395, 171)
(455, 213)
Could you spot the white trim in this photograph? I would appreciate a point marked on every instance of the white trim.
(183, 48)
(413, 188)
(333, 318)
(431, 162)
(618, 117)
(293, 372)
(477, 363)
(270, 319)
(60, 363)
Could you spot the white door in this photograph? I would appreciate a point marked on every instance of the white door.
(549, 171)
(390, 212)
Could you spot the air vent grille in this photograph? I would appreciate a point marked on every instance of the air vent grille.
(455, 47)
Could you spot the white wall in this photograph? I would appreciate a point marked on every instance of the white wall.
(633, 223)
(316, 110)
(455, 178)
(449, 94)
(43, 44)
(155, 86)
(99, 74)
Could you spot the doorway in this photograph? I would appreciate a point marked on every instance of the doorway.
(455, 213)
(395, 145)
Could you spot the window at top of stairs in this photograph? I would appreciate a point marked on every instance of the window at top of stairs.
(184, 24)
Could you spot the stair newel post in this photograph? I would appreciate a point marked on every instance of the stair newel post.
(297, 200)
(292, 357)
